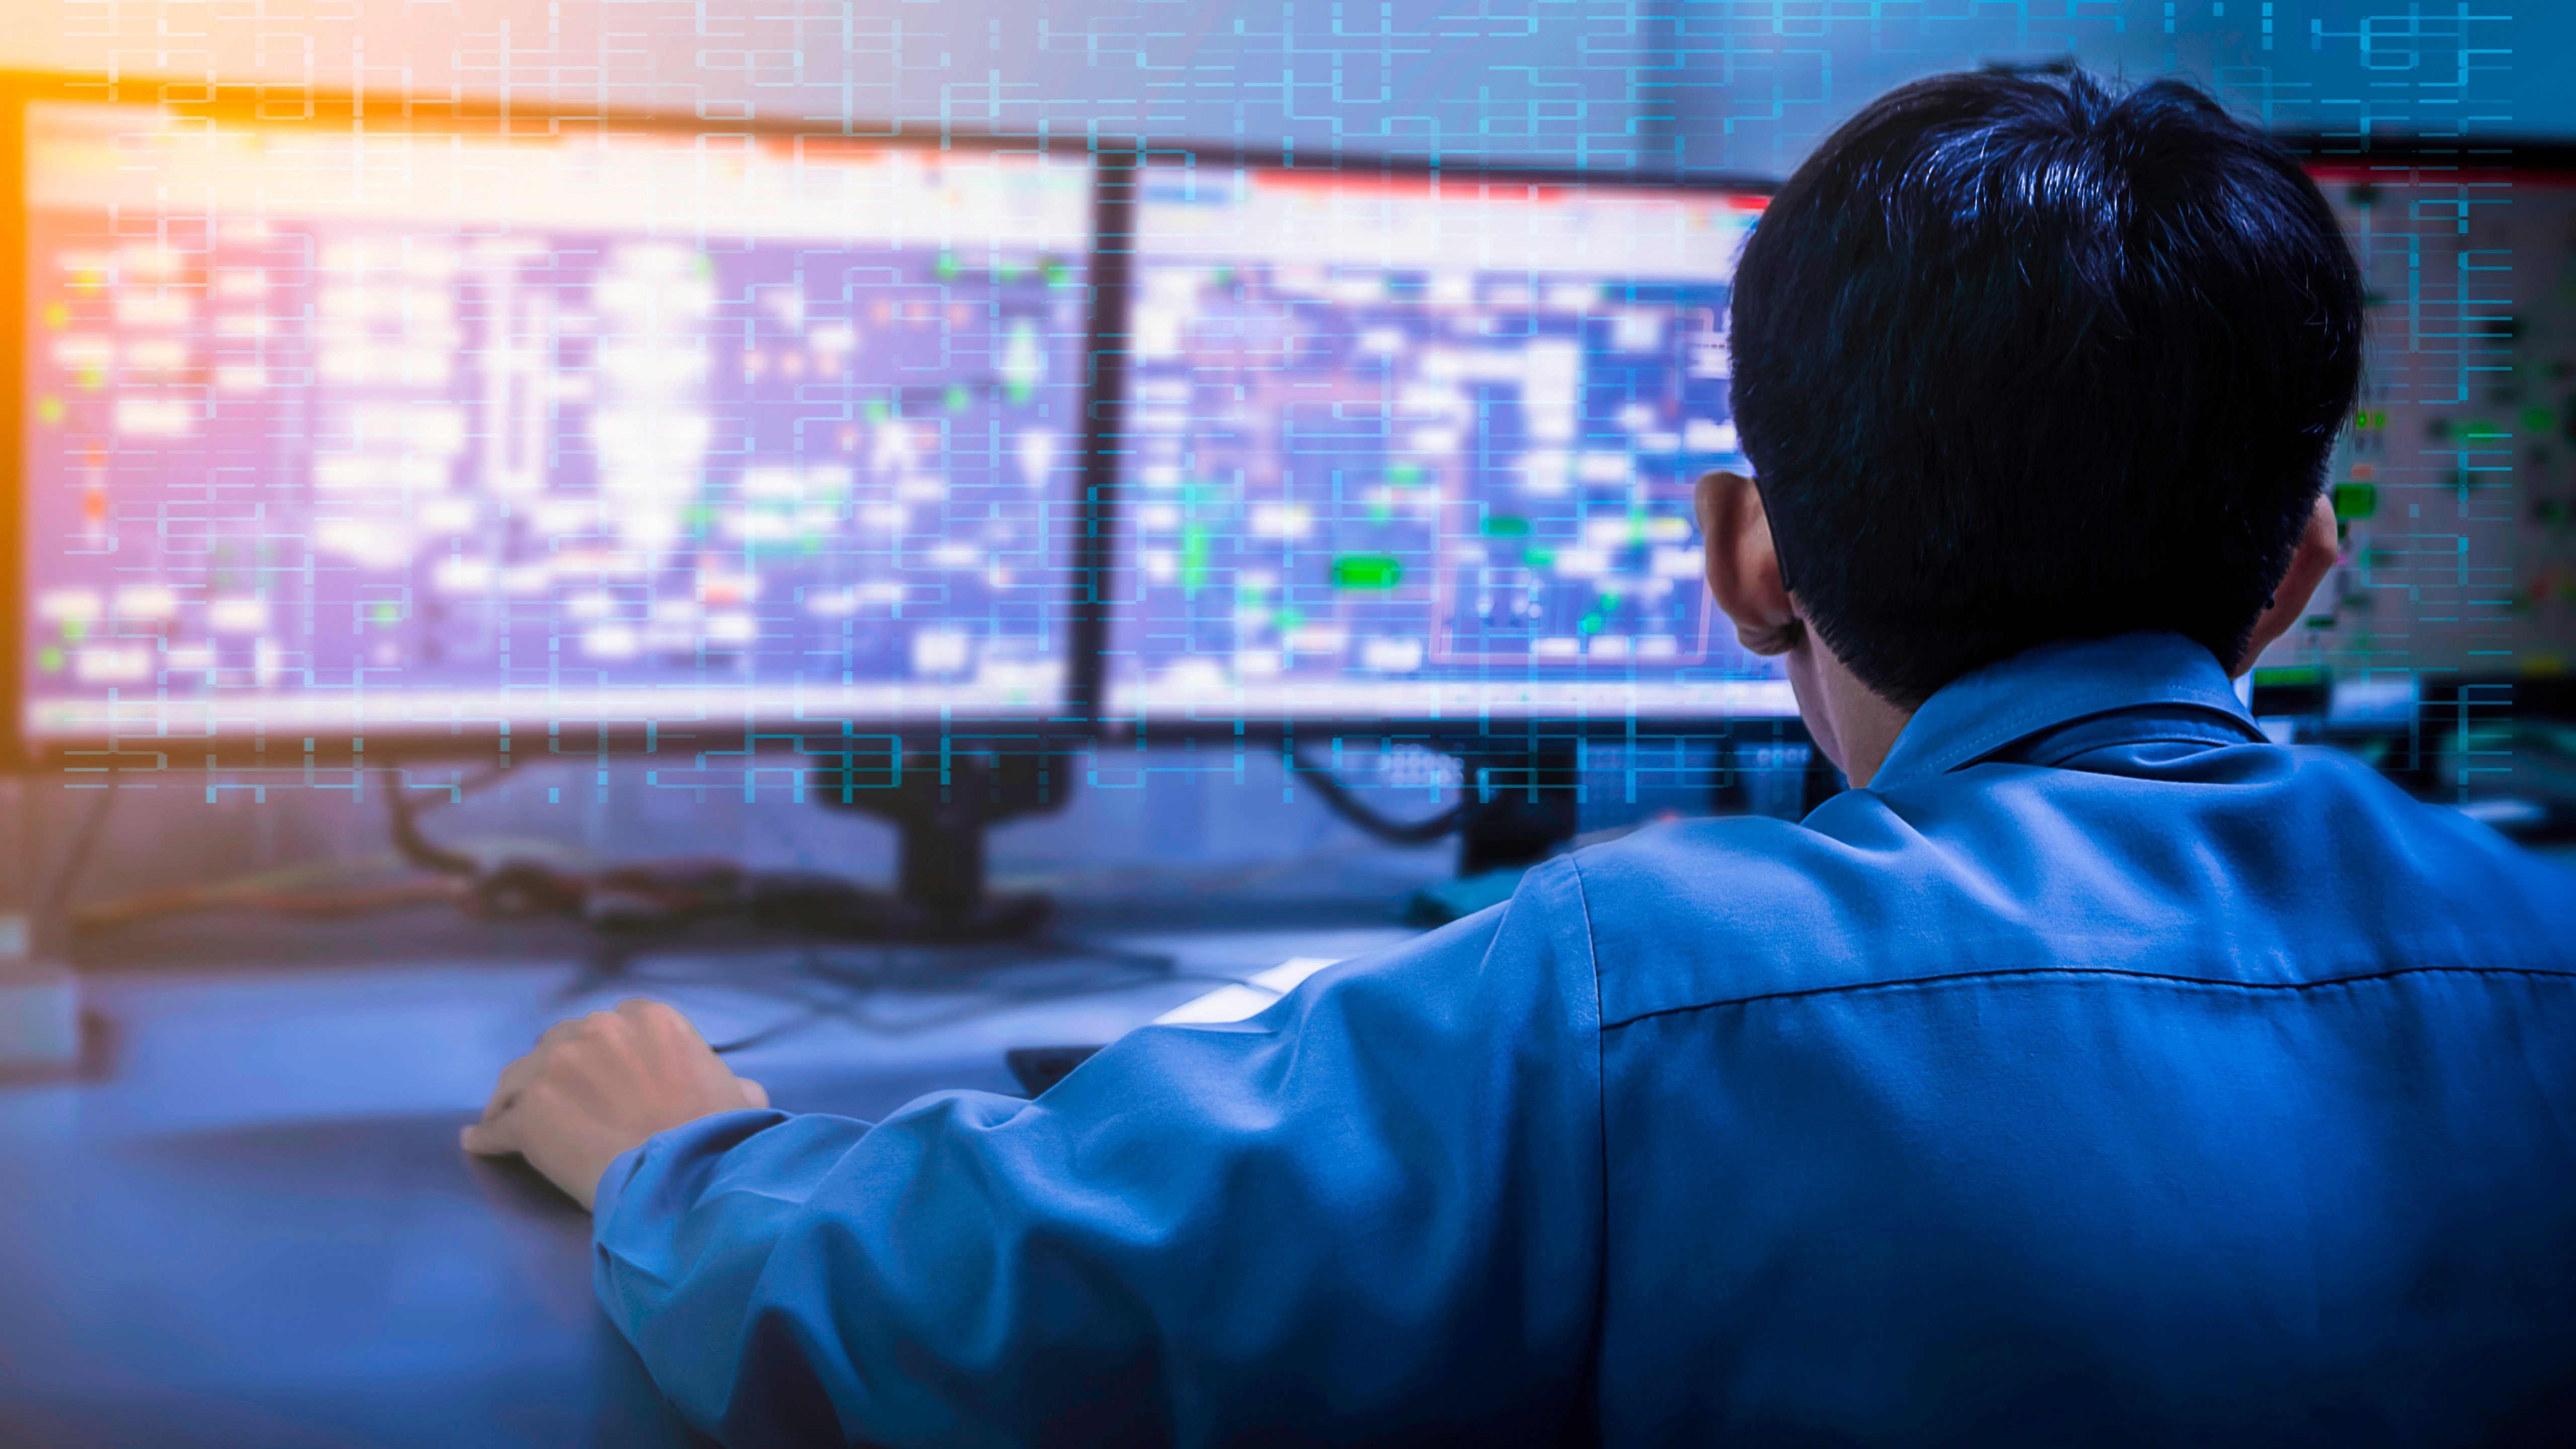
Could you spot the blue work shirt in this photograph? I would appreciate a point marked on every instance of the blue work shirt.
(2100, 1074)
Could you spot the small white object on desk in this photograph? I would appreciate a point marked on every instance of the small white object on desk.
(39, 1017)
(1235, 1003)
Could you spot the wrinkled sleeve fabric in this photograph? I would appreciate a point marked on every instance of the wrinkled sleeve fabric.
(1371, 1213)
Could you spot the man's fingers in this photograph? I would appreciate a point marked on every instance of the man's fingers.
(753, 1092)
(514, 1080)
(660, 1016)
(570, 1026)
(485, 1140)
(516, 1076)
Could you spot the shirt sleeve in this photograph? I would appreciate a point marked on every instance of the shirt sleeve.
(1371, 1213)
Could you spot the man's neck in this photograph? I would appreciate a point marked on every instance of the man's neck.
(1854, 724)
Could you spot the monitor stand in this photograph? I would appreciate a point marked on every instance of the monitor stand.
(940, 807)
(1522, 805)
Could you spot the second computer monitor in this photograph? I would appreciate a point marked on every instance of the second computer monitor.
(1420, 449)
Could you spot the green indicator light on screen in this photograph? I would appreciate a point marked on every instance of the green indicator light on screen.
(2290, 674)
(1506, 525)
(1407, 475)
(50, 659)
(1367, 571)
(1194, 558)
(945, 269)
(75, 629)
(958, 397)
(2355, 501)
(386, 614)
(1591, 624)
(1538, 558)
(49, 410)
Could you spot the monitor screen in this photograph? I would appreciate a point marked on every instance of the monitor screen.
(1421, 449)
(2456, 484)
(410, 432)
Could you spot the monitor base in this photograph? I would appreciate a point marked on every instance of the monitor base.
(940, 806)
(836, 909)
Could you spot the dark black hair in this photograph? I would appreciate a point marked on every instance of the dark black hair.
(2020, 359)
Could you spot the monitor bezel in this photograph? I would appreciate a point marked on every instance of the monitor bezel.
(295, 104)
(1489, 731)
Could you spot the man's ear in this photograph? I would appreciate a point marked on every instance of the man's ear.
(2319, 547)
(1743, 566)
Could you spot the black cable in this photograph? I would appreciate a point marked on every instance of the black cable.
(1337, 797)
(410, 844)
(768, 1033)
(1159, 961)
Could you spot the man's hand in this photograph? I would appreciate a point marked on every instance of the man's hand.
(598, 1086)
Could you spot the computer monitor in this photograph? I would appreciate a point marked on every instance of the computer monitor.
(1417, 451)
(405, 432)
(2456, 483)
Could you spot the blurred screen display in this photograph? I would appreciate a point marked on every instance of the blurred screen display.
(2455, 486)
(1423, 448)
(392, 431)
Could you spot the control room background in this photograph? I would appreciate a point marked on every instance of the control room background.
(1739, 85)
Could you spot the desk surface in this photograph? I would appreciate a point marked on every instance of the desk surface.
(249, 1222)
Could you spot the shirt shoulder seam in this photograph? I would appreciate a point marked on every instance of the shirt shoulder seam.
(1601, 1110)
(1962, 977)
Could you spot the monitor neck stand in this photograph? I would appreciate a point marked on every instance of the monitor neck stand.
(1521, 805)
(940, 809)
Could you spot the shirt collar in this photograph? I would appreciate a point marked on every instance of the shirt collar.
(1989, 710)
